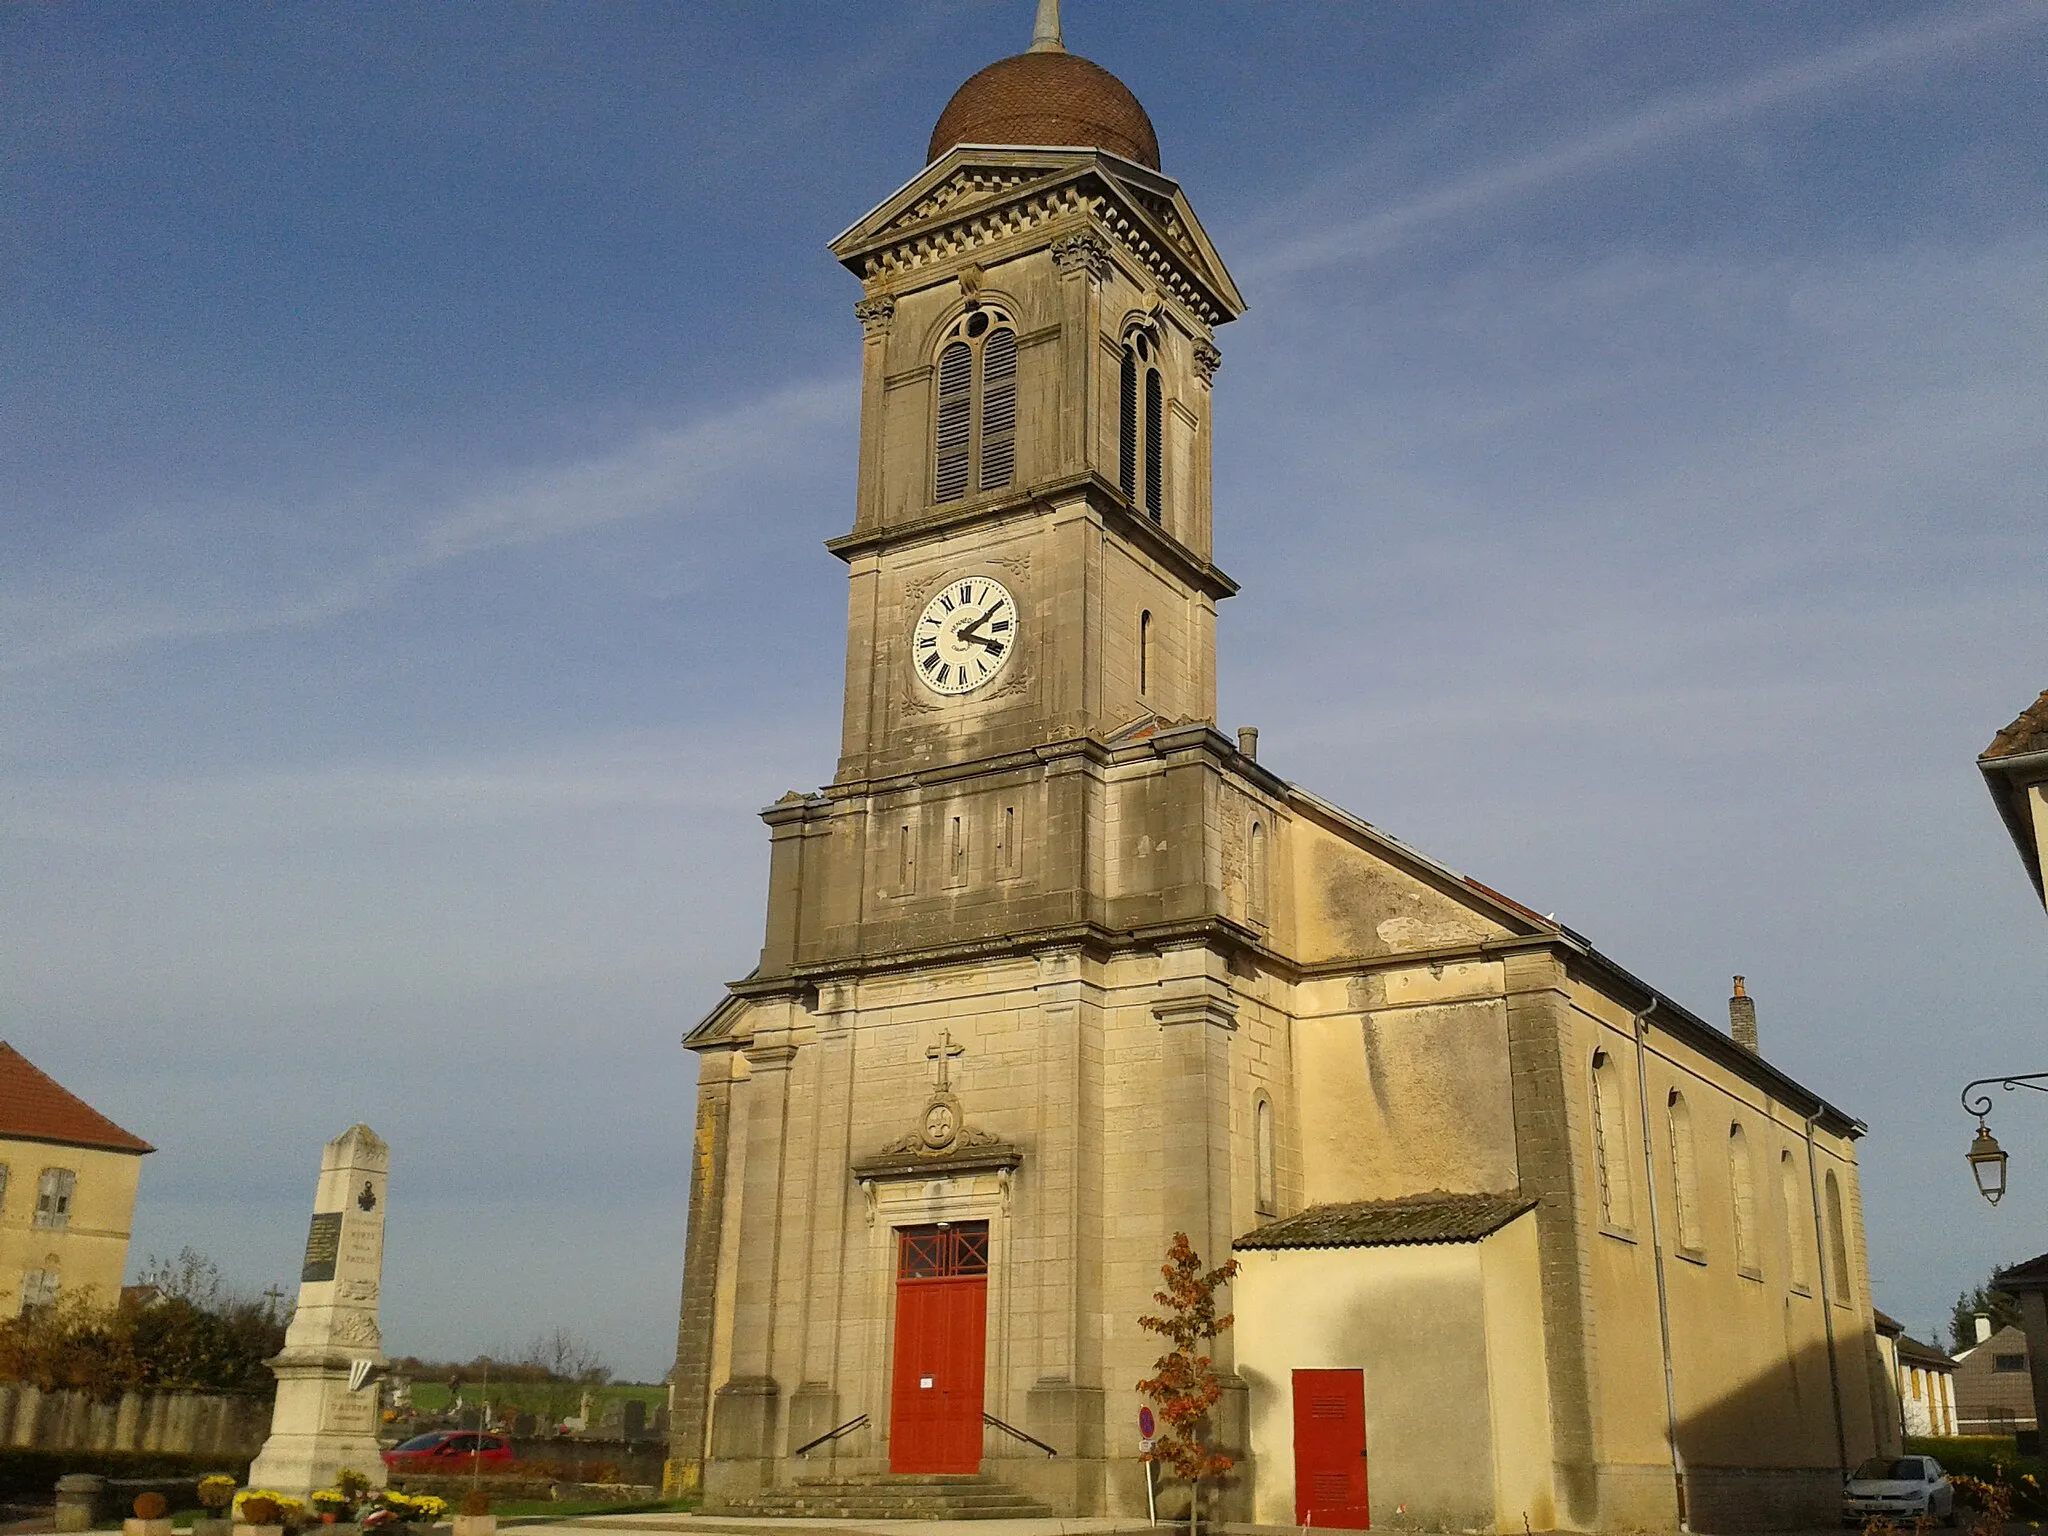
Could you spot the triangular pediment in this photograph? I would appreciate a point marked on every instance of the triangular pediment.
(980, 194)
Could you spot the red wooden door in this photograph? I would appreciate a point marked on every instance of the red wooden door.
(1329, 1450)
(941, 1346)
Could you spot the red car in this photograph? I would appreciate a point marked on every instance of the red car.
(452, 1450)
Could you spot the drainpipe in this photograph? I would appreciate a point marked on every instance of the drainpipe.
(1657, 1255)
(1827, 1300)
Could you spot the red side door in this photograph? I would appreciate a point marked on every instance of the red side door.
(1329, 1450)
(935, 1398)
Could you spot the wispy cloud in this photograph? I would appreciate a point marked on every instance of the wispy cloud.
(1943, 40)
(674, 471)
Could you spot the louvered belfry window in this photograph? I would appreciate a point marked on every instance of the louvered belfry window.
(956, 419)
(1127, 425)
(976, 437)
(1155, 451)
(998, 408)
(1141, 435)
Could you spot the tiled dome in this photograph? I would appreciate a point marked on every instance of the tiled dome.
(1047, 97)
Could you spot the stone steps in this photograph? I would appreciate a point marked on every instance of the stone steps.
(908, 1497)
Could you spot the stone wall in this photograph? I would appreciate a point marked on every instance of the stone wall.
(171, 1423)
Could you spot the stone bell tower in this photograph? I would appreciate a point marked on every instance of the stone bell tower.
(984, 1068)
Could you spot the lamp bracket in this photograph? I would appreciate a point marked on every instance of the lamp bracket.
(1980, 1106)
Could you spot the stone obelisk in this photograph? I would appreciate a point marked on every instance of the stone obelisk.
(326, 1413)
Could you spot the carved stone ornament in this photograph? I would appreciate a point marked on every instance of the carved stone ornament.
(1207, 361)
(875, 314)
(1086, 251)
(357, 1328)
(942, 1143)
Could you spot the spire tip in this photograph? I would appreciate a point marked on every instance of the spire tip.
(1045, 33)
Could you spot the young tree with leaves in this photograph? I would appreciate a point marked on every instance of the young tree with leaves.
(2002, 1307)
(1185, 1384)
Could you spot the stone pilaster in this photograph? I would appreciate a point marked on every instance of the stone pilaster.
(745, 1410)
(690, 1392)
(1546, 1131)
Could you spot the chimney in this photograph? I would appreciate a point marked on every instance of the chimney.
(1742, 1017)
(1248, 741)
(1983, 1327)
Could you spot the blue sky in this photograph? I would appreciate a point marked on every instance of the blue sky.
(1633, 458)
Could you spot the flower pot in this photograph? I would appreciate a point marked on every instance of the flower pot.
(245, 1529)
(135, 1527)
(212, 1526)
(476, 1525)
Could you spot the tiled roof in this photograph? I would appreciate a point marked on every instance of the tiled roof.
(2030, 1276)
(1886, 1323)
(2029, 733)
(34, 1107)
(1911, 1349)
(1431, 1218)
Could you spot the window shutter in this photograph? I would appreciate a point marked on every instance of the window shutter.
(53, 1197)
(1127, 444)
(956, 379)
(1155, 449)
(998, 408)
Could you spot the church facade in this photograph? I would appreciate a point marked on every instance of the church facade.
(1054, 969)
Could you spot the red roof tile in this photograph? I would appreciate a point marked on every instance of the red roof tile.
(34, 1107)
(2029, 733)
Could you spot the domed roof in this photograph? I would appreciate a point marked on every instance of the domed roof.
(1047, 96)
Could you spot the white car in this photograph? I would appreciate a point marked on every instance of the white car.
(1898, 1485)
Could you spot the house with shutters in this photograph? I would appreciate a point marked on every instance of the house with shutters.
(1055, 969)
(68, 1180)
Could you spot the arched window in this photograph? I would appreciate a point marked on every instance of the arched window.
(975, 438)
(1685, 1175)
(1142, 433)
(1610, 1145)
(1838, 1238)
(1742, 1188)
(1795, 1220)
(1145, 651)
(1266, 1183)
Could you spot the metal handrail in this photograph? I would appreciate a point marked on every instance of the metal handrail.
(831, 1434)
(1011, 1429)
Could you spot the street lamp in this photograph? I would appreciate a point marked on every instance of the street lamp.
(1986, 1157)
(1987, 1164)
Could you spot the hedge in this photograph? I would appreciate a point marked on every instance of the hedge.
(33, 1475)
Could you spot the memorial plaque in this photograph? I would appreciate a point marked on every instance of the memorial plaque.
(323, 1247)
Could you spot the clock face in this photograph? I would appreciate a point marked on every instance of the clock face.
(964, 636)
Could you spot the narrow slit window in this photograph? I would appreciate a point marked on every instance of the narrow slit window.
(1838, 1239)
(1145, 651)
(1685, 1174)
(1742, 1189)
(1265, 1183)
(1610, 1145)
(959, 850)
(1006, 856)
(1155, 446)
(906, 858)
(1793, 1196)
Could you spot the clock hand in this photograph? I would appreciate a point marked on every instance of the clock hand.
(966, 631)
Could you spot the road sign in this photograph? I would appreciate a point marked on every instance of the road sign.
(1146, 1427)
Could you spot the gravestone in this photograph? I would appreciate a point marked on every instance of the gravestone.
(326, 1412)
(634, 1419)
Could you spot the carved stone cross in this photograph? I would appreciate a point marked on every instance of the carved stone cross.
(942, 1054)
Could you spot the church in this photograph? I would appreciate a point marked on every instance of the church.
(1055, 969)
